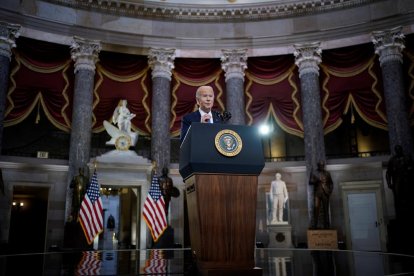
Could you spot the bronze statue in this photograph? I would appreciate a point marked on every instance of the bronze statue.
(78, 185)
(167, 188)
(398, 175)
(322, 187)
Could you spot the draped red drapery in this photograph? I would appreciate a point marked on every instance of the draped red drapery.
(118, 77)
(41, 77)
(272, 89)
(188, 75)
(351, 80)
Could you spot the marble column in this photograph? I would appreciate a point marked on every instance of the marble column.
(234, 62)
(8, 35)
(389, 45)
(84, 53)
(161, 62)
(307, 58)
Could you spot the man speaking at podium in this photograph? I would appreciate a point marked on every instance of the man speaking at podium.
(204, 114)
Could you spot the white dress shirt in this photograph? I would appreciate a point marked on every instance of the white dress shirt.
(204, 113)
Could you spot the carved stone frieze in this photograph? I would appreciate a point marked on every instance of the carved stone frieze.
(8, 34)
(308, 57)
(222, 12)
(85, 53)
(161, 62)
(234, 62)
(389, 44)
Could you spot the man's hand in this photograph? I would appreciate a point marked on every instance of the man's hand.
(205, 118)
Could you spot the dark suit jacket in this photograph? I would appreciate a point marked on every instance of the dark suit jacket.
(194, 117)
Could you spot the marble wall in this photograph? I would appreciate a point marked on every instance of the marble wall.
(51, 173)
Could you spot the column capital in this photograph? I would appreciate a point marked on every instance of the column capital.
(85, 53)
(8, 34)
(234, 62)
(308, 57)
(389, 44)
(161, 61)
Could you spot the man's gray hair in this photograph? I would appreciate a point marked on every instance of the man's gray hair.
(202, 88)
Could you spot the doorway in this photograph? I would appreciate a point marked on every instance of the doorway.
(28, 218)
(364, 223)
(27, 232)
(121, 218)
(363, 212)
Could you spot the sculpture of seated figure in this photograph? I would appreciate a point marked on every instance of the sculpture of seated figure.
(122, 117)
(122, 137)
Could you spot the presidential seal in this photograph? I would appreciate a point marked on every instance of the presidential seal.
(228, 142)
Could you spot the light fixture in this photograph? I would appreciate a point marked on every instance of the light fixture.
(264, 129)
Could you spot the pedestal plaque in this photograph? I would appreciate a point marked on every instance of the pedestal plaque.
(280, 236)
(322, 239)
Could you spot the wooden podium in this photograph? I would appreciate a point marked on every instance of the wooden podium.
(221, 190)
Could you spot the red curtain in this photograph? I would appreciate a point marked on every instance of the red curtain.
(118, 77)
(42, 76)
(351, 76)
(272, 90)
(188, 75)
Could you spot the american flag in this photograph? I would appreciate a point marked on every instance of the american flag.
(154, 210)
(90, 264)
(156, 264)
(90, 214)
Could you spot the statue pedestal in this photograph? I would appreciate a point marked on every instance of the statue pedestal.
(280, 235)
(130, 176)
(74, 237)
(322, 239)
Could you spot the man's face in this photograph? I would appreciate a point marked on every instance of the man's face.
(206, 99)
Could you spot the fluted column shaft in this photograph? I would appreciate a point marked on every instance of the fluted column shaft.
(389, 45)
(85, 54)
(8, 35)
(234, 62)
(307, 58)
(161, 62)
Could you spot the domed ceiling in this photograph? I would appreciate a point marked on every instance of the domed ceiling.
(202, 28)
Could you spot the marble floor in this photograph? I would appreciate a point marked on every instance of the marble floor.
(279, 262)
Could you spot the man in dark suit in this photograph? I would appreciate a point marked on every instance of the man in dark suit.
(204, 114)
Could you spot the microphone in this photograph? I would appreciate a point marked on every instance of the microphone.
(224, 117)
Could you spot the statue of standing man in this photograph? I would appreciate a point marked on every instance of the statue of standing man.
(322, 187)
(398, 176)
(78, 184)
(279, 195)
(167, 189)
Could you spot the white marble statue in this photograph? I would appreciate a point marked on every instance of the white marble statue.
(122, 117)
(279, 196)
(122, 136)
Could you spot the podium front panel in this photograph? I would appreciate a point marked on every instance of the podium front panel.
(199, 152)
